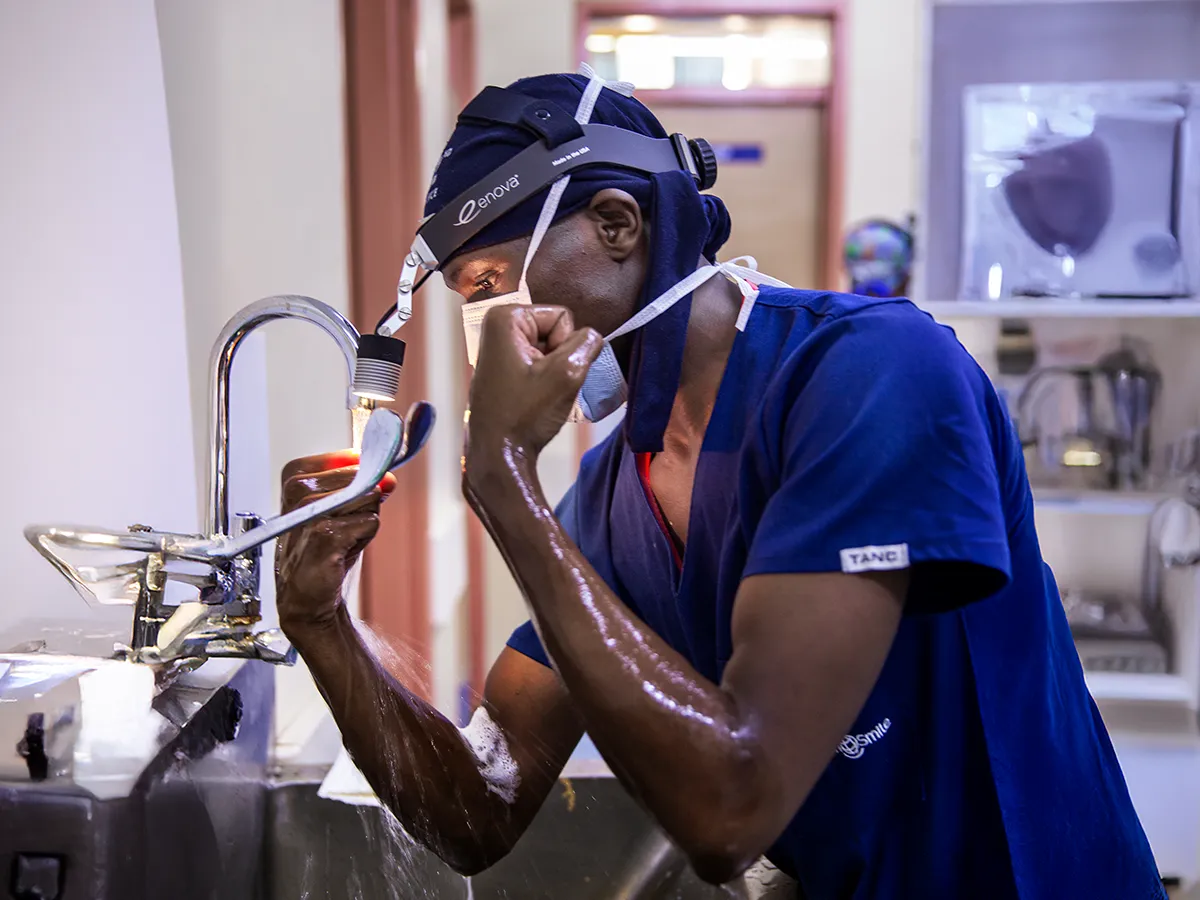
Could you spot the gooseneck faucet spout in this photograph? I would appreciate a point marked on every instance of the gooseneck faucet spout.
(284, 306)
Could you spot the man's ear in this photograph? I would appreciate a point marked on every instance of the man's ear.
(617, 219)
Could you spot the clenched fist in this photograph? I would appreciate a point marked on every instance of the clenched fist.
(532, 363)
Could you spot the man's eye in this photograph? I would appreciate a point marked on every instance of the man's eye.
(485, 284)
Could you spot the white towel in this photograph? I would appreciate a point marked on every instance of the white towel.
(346, 784)
(1179, 533)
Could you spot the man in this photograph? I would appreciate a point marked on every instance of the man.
(797, 600)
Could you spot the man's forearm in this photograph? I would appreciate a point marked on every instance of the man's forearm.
(415, 759)
(676, 739)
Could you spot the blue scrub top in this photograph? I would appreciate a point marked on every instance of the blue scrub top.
(852, 434)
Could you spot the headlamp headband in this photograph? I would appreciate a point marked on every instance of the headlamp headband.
(561, 149)
(537, 167)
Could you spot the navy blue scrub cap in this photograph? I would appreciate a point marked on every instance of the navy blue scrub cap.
(685, 225)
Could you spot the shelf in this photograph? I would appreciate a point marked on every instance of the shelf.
(1029, 2)
(1062, 309)
(1123, 686)
(1098, 503)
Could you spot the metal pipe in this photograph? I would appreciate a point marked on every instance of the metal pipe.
(284, 306)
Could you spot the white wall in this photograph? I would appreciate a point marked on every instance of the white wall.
(437, 314)
(503, 25)
(255, 96)
(519, 38)
(884, 53)
(98, 428)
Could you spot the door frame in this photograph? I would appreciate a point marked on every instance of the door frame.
(464, 84)
(831, 98)
(384, 196)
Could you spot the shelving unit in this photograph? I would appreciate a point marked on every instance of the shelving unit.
(1098, 503)
(1120, 686)
(1062, 309)
(1093, 540)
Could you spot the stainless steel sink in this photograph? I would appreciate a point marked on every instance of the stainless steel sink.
(169, 794)
(589, 842)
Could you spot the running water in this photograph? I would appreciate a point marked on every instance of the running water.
(358, 424)
(379, 860)
(384, 861)
(405, 866)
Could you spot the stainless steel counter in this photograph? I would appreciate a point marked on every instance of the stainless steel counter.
(114, 786)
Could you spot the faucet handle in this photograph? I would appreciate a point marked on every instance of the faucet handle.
(381, 447)
(417, 427)
(273, 646)
(388, 443)
(200, 631)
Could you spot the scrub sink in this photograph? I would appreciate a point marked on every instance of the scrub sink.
(590, 841)
(114, 786)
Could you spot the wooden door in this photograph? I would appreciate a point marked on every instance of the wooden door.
(772, 178)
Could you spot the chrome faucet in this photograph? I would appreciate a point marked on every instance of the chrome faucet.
(229, 340)
(224, 564)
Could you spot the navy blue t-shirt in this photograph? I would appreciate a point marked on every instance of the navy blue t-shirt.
(852, 434)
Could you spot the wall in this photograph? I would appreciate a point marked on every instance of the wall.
(507, 49)
(92, 349)
(437, 313)
(884, 59)
(255, 96)
(502, 26)
(254, 92)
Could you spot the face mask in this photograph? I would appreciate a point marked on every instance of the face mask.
(473, 313)
(604, 389)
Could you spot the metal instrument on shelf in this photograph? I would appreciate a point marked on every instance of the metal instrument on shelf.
(1115, 634)
(1094, 430)
(1133, 387)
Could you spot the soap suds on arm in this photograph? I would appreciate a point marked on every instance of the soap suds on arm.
(496, 764)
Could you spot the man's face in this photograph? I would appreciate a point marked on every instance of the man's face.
(583, 264)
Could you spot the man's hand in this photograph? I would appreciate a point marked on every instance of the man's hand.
(311, 561)
(532, 363)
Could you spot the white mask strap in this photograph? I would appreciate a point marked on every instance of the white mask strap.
(549, 208)
(591, 94)
(734, 269)
(583, 114)
(747, 278)
(661, 304)
(739, 275)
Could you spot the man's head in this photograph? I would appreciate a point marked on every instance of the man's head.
(593, 261)
(618, 238)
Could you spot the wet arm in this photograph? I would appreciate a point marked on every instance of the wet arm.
(420, 764)
(724, 767)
